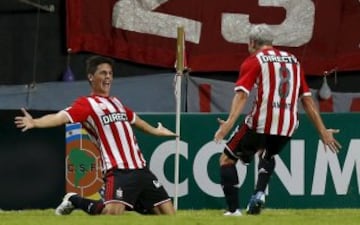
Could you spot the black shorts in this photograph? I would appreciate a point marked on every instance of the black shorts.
(132, 187)
(244, 143)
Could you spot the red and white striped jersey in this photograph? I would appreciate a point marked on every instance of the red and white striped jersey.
(279, 79)
(108, 122)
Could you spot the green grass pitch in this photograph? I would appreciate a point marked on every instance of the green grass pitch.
(187, 217)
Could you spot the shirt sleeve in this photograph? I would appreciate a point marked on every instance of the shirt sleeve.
(79, 111)
(249, 71)
(304, 88)
(131, 115)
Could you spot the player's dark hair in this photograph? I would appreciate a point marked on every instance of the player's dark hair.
(93, 62)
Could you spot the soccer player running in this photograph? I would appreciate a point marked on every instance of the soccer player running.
(280, 82)
(109, 123)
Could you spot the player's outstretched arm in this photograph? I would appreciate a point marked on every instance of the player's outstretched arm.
(27, 122)
(160, 130)
(326, 135)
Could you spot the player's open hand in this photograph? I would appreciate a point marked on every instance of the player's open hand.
(24, 122)
(163, 131)
(329, 140)
(223, 130)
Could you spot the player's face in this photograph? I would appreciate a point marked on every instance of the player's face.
(101, 80)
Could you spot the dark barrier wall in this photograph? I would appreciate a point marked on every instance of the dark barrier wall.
(31, 165)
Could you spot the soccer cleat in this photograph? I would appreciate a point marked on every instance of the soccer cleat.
(256, 203)
(235, 213)
(65, 207)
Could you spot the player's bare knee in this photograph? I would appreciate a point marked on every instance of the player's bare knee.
(166, 208)
(225, 160)
(114, 209)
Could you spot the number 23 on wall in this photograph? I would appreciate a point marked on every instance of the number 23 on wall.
(139, 16)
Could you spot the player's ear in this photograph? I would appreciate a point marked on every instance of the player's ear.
(90, 77)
